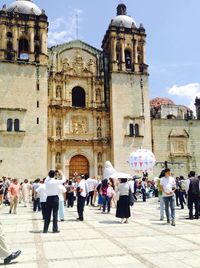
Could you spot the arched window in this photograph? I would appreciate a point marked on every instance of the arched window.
(9, 46)
(78, 97)
(9, 125)
(131, 130)
(100, 170)
(23, 49)
(137, 130)
(99, 157)
(58, 92)
(128, 59)
(9, 35)
(16, 125)
(37, 49)
(58, 158)
(171, 116)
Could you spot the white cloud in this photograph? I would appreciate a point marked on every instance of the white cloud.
(64, 29)
(188, 91)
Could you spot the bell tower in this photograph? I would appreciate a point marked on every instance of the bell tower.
(23, 89)
(125, 55)
(23, 31)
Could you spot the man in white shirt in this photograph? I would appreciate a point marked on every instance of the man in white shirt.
(168, 185)
(81, 196)
(41, 191)
(91, 184)
(52, 191)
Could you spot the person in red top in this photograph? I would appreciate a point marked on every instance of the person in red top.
(14, 195)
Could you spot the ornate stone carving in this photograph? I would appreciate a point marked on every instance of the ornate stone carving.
(78, 66)
(179, 147)
(79, 125)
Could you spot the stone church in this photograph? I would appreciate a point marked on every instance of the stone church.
(73, 106)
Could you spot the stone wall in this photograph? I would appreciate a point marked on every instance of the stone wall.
(176, 141)
(23, 153)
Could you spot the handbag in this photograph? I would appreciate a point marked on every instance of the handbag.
(131, 198)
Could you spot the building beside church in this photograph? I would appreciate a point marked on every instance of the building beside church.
(73, 106)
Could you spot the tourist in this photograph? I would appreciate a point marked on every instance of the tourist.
(177, 192)
(193, 191)
(14, 195)
(161, 200)
(91, 185)
(182, 192)
(41, 193)
(81, 196)
(123, 204)
(143, 189)
(26, 188)
(52, 191)
(70, 194)
(100, 199)
(113, 199)
(168, 188)
(1, 192)
(62, 199)
(5, 252)
(36, 199)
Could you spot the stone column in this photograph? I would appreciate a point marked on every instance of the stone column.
(53, 159)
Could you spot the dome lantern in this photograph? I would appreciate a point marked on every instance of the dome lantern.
(121, 10)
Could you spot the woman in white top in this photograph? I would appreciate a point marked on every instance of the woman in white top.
(123, 204)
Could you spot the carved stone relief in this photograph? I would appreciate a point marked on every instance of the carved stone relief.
(79, 125)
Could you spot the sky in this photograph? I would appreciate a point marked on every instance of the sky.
(173, 37)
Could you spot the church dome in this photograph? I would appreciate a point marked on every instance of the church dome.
(24, 7)
(157, 102)
(122, 19)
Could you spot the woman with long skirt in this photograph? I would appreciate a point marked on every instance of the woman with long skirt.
(123, 204)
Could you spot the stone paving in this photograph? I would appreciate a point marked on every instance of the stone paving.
(101, 241)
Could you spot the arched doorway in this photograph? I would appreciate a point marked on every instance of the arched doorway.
(78, 164)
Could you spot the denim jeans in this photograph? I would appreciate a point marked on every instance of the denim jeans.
(169, 202)
(106, 202)
(162, 206)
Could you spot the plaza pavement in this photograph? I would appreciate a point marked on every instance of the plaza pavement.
(101, 241)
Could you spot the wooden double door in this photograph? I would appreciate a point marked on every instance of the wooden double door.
(79, 164)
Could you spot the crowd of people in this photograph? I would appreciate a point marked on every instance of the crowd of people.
(51, 194)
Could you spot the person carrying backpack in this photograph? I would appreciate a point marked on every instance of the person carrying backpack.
(193, 192)
(182, 187)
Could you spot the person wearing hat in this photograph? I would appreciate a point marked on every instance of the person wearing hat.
(52, 203)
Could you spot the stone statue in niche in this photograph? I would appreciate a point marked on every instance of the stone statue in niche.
(99, 133)
(58, 131)
(79, 125)
(181, 147)
(58, 158)
(98, 122)
(66, 65)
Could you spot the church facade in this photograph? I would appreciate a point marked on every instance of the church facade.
(73, 106)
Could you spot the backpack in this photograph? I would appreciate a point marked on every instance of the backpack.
(104, 191)
(194, 186)
(182, 185)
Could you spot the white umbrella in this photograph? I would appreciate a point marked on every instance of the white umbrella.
(120, 175)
